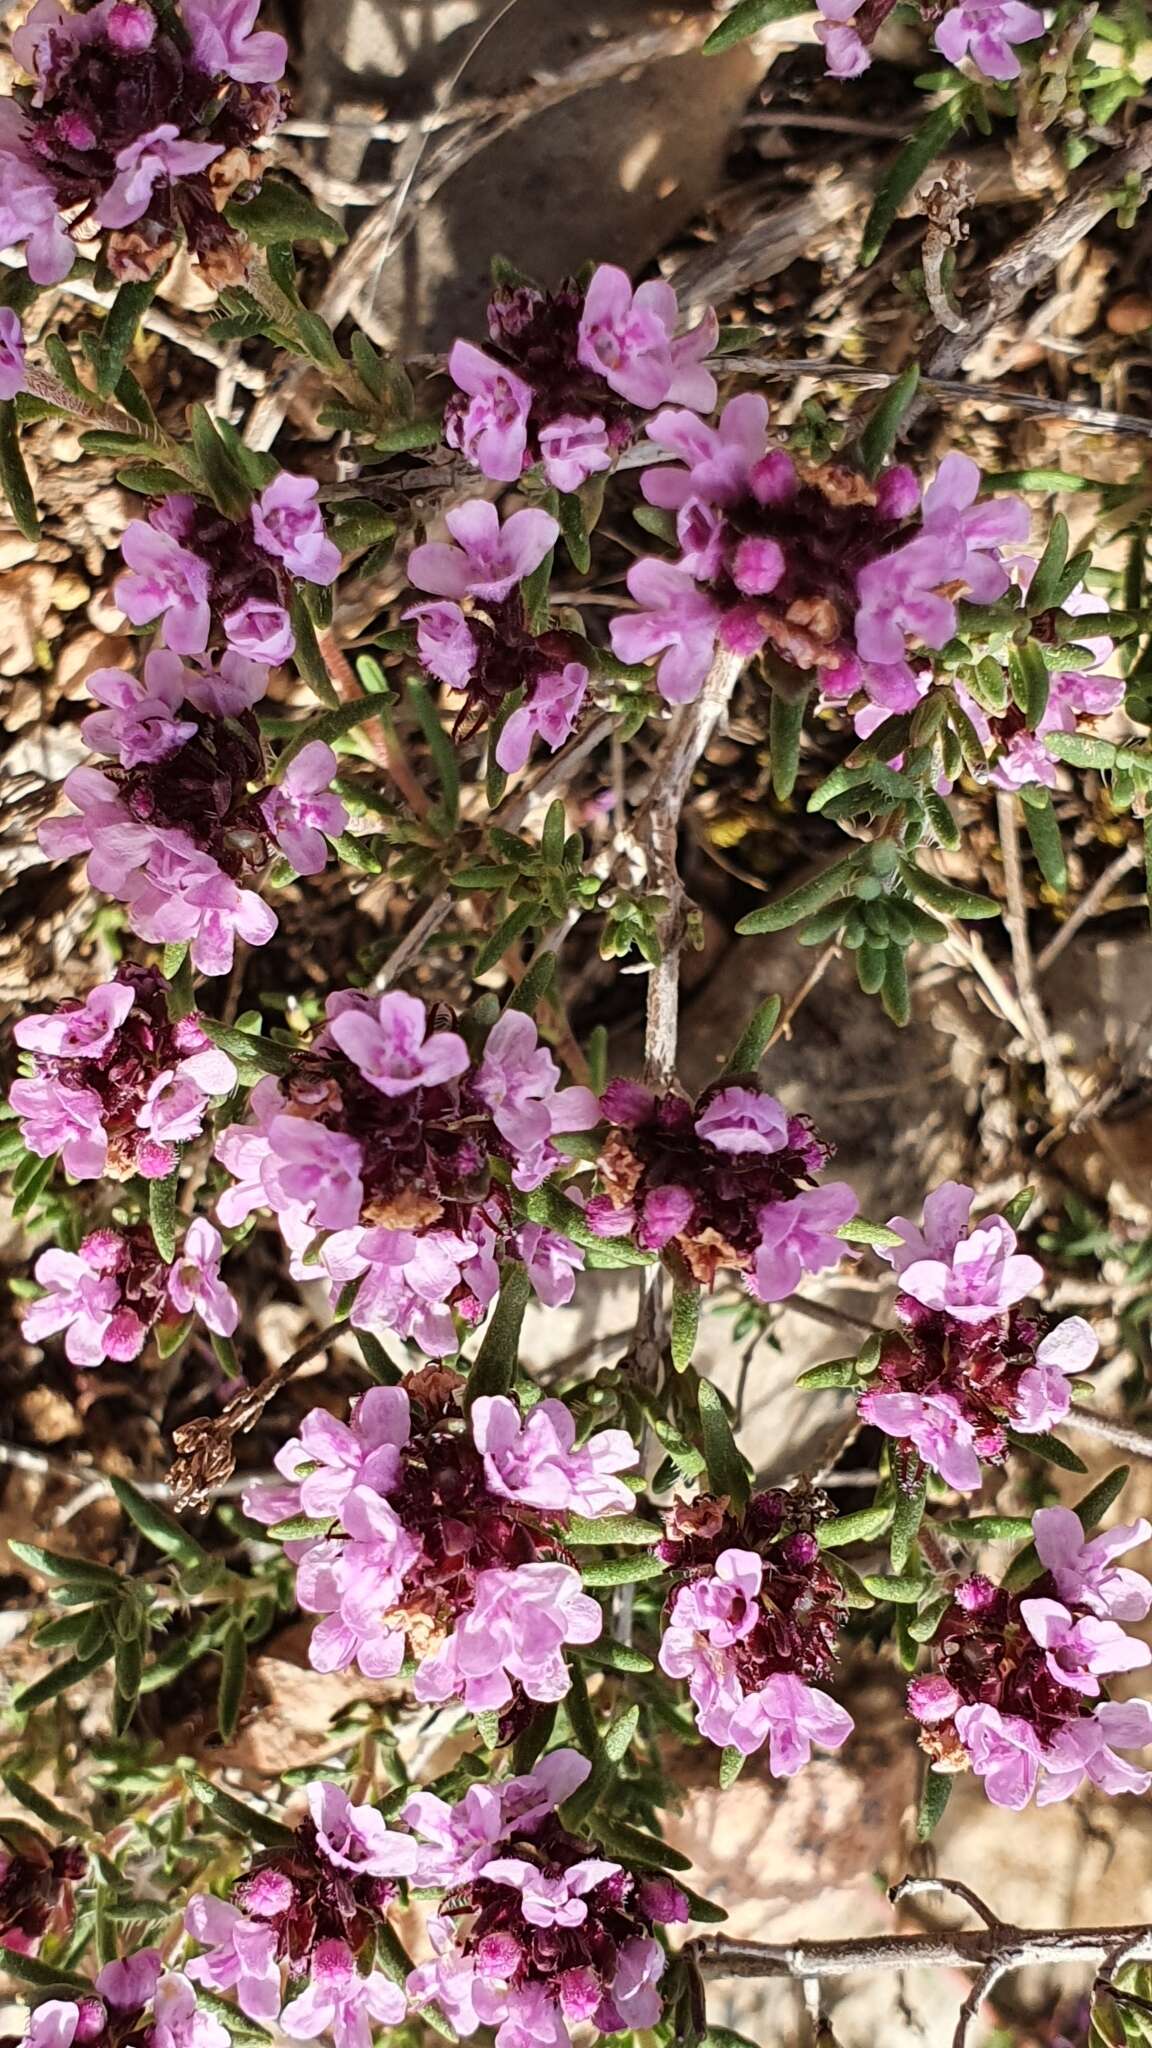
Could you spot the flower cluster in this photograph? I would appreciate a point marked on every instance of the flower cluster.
(1075, 696)
(723, 1184)
(117, 1085)
(1017, 1694)
(571, 376)
(753, 1621)
(537, 1934)
(446, 1538)
(968, 1363)
(109, 1294)
(204, 574)
(475, 636)
(186, 817)
(986, 31)
(135, 2000)
(831, 572)
(36, 1890)
(133, 132)
(390, 1138)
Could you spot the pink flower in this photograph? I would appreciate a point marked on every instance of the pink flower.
(224, 39)
(1082, 1567)
(131, 1983)
(550, 1901)
(260, 631)
(394, 1048)
(445, 642)
(493, 430)
(317, 1169)
(626, 337)
(183, 896)
(178, 2020)
(490, 556)
(82, 1033)
(516, 1079)
(932, 1700)
(1087, 1749)
(11, 354)
(336, 1456)
(341, 2002)
(58, 2022)
(357, 1838)
(937, 1426)
(158, 156)
(194, 1283)
(28, 211)
(1043, 1395)
(723, 463)
(844, 49)
(141, 724)
(82, 1298)
(674, 616)
(634, 2002)
(302, 811)
(516, 1630)
(739, 1120)
(457, 1840)
(536, 1460)
(355, 1585)
(551, 1261)
(289, 524)
(971, 1274)
(58, 1118)
(797, 1237)
(168, 580)
(241, 1956)
(224, 685)
(795, 1717)
(985, 30)
(975, 530)
(1080, 1650)
(551, 712)
(572, 449)
(1004, 1751)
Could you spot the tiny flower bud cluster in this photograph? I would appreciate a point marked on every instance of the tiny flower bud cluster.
(386, 1136)
(133, 132)
(446, 1542)
(725, 1184)
(107, 1296)
(186, 818)
(1017, 1695)
(117, 1086)
(752, 1622)
(969, 1363)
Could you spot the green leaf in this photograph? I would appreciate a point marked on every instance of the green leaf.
(907, 1517)
(1044, 832)
(726, 1469)
(643, 1848)
(612, 1529)
(752, 1043)
(1044, 587)
(574, 531)
(221, 473)
(46, 1976)
(747, 17)
(723, 2037)
(118, 332)
(879, 434)
(858, 1230)
(278, 212)
(507, 932)
(236, 1815)
(300, 1528)
(934, 1796)
(801, 902)
(901, 1591)
(1031, 681)
(535, 983)
(308, 657)
(534, 590)
(1091, 1509)
(864, 1526)
(248, 1048)
(785, 730)
(494, 1368)
(162, 1213)
(1049, 1448)
(233, 1674)
(29, 1182)
(732, 1762)
(1017, 1209)
(44, 1808)
(618, 1739)
(989, 1528)
(610, 1656)
(329, 726)
(548, 1205)
(621, 1571)
(440, 747)
(161, 1528)
(74, 1571)
(839, 1372)
(943, 896)
(686, 1300)
(1082, 750)
(58, 1681)
(930, 138)
(14, 477)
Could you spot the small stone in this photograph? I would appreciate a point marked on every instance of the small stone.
(1131, 313)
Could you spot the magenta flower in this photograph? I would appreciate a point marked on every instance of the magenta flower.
(131, 1983)
(240, 1956)
(976, 528)
(572, 449)
(536, 1460)
(224, 39)
(550, 1901)
(971, 1273)
(552, 1263)
(178, 2020)
(985, 30)
(288, 523)
(739, 1120)
(164, 580)
(674, 619)
(1086, 1749)
(341, 2002)
(1080, 1651)
(154, 158)
(194, 1283)
(1004, 1751)
(517, 1080)
(184, 897)
(260, 630)
(457, 1840)
(551, 712)
(11, 352)
(492, 431)
(357, 1838)
(518, 1627)
(84, 1032)
(1082, 1568)
(798, 1237)
(722, 463)
(140, 724)
(86, 1298)
(332, 1457)
(627, 337)
(391, 1049)
(317, 1170)
(846, 53)
(445, 642)
(937, 1425)
(302, 811)
(58, 1118)
(489, 556)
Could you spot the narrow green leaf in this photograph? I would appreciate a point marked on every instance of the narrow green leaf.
(785, 730)
(864, 1526)
(14, 477)
(1042, 591)
(44, 1808)
(747, 17)
(989, 1528)
(612, 1529)
(235, 1814)
(233, 1675)
(839, 1372)
(1031, 681)
(907, 1517)
(161, 1528)
(75, 1571)
(934, 1796)
(801, 902)
(59, 1679)
(308, 657)
(643, 1848)
(1049, 1448)
(858, 1230)
(1044, 832)
(930, 138)
(943, 896)
(506, 934)
(726, 1469)
(118, 332)
(535, 983)
(879, 434)
(686, 1300)
(440, 747)
(162, 1213)
(1017, 1209)
(278, 212)
(618, 1739)
(621, 1571)
(46, 1976)
(218, 468)
(29, 1182)
(610, 1656)
(494, 1369)
(732, 1762)
(752, 1043)
(902, 1592)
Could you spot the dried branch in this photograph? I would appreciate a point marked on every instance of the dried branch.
(1001, 1947)
(1062, 1096)
(1091, 902)
(206, 1446)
